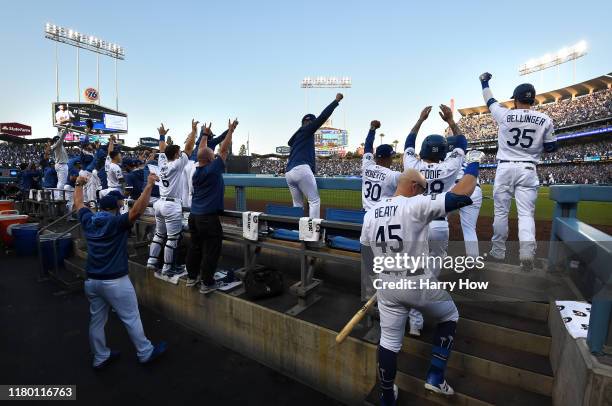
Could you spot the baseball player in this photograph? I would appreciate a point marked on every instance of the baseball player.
(204, 223)
(112, 167)
(108, 285)
(63, 116)
(469, 214)
(301, 163)
(61, 160)
(440, 171)
(399, 226)
(522, 136)
(378, 181)
(169, 208)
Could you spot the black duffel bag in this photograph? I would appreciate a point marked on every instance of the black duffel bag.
(263, 282)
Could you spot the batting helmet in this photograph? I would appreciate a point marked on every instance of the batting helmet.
(434, 148)
(451, 141)
(525, 93)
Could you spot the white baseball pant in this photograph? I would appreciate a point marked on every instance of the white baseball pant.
(518, 179)
(168, 228)
(69, 196)
(394, 306)
(469, 218)
(62, 179)
(301, 181)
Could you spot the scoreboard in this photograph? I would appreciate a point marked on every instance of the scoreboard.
(105, 120)
(330, 141)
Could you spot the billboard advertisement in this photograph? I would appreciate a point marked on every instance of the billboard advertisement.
(17, 129)
(105, 120)
(283, 150)
(149, 142)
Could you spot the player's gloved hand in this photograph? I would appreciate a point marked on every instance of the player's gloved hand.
(474, 156)
(485, 77)
(375, 124)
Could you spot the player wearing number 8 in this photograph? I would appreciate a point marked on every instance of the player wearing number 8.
(523, 135)
(377, 179)
(440, 171)
(169, 208)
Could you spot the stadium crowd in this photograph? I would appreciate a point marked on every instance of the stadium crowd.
(564, 113)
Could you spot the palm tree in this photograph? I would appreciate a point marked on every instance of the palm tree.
(381, 138)
(395, 142)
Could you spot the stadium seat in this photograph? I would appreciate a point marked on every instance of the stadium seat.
(276, 230)
(344, 240)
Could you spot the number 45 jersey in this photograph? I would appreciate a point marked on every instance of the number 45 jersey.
(377, 182)
(522, 133)
(400, 225)
(440, 176)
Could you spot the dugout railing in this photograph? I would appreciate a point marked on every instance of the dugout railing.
(587, 252)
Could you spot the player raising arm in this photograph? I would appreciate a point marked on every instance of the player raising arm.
(377, 179)
(399, 225)
(169, 208)
(207, 203)
(301, 163)
(523, 135)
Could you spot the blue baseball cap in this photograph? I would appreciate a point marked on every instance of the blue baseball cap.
(109, 202)
(384, 151)
(309, 117)
(524, 93)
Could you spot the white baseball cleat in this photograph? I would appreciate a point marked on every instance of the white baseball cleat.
(443, 389)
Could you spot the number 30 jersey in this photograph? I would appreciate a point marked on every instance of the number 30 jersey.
(377, 182)
(440, 176)
(522, 133)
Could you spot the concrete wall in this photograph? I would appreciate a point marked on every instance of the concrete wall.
(580, 379)
(291, 346)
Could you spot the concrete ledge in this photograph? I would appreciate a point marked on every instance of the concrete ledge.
(580, 379)
(296, 348)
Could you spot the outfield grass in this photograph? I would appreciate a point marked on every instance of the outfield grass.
(589, 212)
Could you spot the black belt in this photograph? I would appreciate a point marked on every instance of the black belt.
(503, 161)
(418, 272)
(440, 219)
(168, 199)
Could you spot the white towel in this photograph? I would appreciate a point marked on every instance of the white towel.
(576, 317)
(250, 225)
(310, 229)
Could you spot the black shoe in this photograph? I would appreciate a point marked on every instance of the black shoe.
(114, 355)
(488, 257)
(158, 350)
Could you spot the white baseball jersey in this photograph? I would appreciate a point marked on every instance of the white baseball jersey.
(522, 133)
(401, 224)
(171, 173)
(377, 182)
(63, 117)
(114, 174)
(440, 176)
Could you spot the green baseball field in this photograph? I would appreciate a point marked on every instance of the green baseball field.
(599, 213)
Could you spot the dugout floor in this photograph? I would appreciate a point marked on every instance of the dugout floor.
(43, 340)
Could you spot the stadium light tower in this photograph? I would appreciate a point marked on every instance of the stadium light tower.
(565, 54)
(325, 82)
(88, 42)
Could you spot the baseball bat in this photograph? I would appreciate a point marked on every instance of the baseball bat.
(354, 320)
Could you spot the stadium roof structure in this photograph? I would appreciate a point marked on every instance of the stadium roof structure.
(579, 89)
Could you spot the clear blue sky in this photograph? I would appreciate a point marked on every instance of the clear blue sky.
(214, 60)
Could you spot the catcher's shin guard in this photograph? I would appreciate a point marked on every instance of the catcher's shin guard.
(156, 246)
(172, 243)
